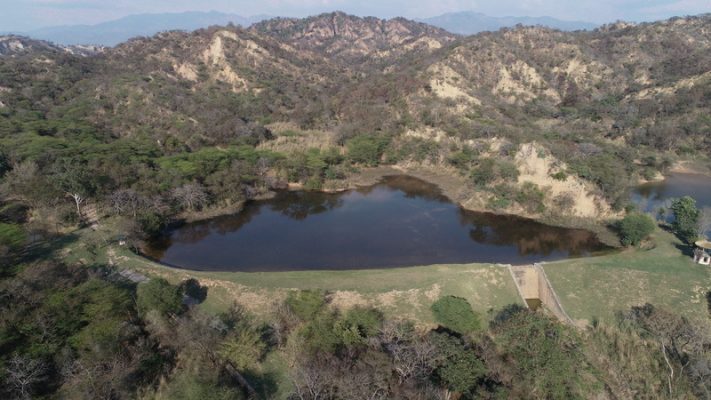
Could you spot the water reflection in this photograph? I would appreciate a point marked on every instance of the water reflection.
(402, 221)
(653, 195)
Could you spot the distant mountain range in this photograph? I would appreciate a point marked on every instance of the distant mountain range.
(114, 32)
(469, 23)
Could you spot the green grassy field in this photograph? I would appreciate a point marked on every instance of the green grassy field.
(600, 286)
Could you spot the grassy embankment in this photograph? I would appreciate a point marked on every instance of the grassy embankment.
(587, 287)
(400, 293)
(663, 275)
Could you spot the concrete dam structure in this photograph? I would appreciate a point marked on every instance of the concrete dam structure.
(536, 290)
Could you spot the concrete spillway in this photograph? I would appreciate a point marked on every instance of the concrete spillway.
(534, 287)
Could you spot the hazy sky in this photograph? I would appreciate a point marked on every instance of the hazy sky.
(18, 15)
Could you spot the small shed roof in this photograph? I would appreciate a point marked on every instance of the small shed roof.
(703, 244)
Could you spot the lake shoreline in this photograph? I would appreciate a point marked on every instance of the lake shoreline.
(399, 222)
(454, 188)
(689, 167)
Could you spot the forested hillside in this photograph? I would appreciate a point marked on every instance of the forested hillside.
(179, 107)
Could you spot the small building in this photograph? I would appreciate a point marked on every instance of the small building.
(702, 253)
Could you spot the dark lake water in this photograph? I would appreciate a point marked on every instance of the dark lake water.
(402, 221)
(651, 196)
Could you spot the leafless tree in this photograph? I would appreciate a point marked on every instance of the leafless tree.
(283, 323)
(191, 196)
(413, 356)
(126, 201)
(704, 222)
(96, 379)
(23, 373)
(681, 341)
(262, 169)
(78, 199)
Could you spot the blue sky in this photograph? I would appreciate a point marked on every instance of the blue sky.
(19, 15)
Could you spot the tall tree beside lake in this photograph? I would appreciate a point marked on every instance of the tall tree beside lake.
(686, 219)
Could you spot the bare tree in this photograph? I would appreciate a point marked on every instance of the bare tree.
(78, 201)
(75, 181)
(126, 201)
(23, 373)
(681, 341)
(704, 222)
(190, 196)
(413, 356)
(262, 169)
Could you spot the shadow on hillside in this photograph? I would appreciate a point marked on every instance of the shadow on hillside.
(45, 249)
(685, 249)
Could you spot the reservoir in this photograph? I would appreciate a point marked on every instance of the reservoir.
(401, 221)
(651, 196)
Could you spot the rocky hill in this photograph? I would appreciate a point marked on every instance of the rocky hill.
(351, 39)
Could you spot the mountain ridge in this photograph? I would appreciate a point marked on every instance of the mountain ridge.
(113, 32)
(471, 22)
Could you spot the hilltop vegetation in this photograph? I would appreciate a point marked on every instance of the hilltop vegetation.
(597, 109)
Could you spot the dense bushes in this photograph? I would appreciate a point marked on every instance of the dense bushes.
(489, 170)
(456, 314)
(160, 296)
(80, 334)
(367, 149)
(634, 228)
(686, 219)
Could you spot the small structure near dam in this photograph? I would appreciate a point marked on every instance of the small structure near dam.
(701, 253)
(536, 290)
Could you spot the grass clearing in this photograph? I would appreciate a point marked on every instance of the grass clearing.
(601, 286)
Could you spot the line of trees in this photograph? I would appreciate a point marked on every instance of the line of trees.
(88, 333)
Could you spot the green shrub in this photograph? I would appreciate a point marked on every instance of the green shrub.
(634, 228)
(560, 176)
(159, 295)
(313, 183)
(457, 366)
(456, 314)
(544, 352)
(489, 170)
(12, 236)
(531, 198)
(367, 149)
(507, 171)
(485, 172)
(150, 223)
(305, 304)
(367, 321)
